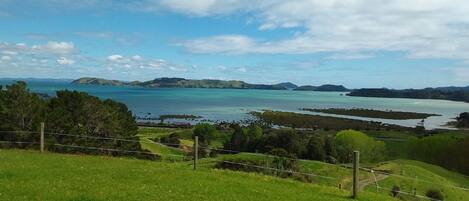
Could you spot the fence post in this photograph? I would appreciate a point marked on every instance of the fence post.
(356, 162)
(196, 151)
(42, 137)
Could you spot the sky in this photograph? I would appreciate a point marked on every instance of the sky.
(356, 43)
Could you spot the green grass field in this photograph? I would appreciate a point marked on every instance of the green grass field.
(29, 175)
(410, 174)
(407, 174)
(328, 174)
(147, 134)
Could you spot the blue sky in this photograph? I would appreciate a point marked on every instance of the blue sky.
(362, 43)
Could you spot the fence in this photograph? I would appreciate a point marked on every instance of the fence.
(356, 185)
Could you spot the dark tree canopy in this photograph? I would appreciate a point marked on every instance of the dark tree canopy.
(69, 112)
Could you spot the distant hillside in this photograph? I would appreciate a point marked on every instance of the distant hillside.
(166, 82)
(442, 93)
(326, 87)
(205, 83)
(99, 81)
(184, 83)
(287, 85)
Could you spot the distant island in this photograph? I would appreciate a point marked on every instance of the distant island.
(206, 83)
(442, 93)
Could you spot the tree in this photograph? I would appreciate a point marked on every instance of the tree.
(254, 135)
(283, 161)
(463, 120)
(329, 147)
(238, 138)
(349, 140)
(205, 132)
(78, 113)
(82, 114)
(316, 149)
(20, 109)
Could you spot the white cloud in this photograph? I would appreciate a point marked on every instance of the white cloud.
(242, 69)
(65, 61)
(9, 52)
(208, 7)
(137, 58)
(178, 69)
(5, 58)
(54, 47)
(421, 28)
(116, 58)
(350, 56)
(100, 35)
(228, 44)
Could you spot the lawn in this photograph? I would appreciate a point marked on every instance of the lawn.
(29, 175)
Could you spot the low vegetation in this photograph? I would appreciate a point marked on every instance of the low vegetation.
(297, 120)
(360, 112)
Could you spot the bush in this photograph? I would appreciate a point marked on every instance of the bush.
(434, 194)
(205, 132)
(395, 191)
(172, 140)
(284, 161)
(347, 141)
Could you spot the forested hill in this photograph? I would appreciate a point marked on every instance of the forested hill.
(205, 83)
(326, 87)
(180, 83)
(442, 93)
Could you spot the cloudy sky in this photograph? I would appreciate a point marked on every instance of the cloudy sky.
(358, 43)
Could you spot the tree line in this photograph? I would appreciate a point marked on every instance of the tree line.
(300, 144)
(69, 112)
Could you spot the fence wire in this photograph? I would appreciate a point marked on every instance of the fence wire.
(280, 170)
(413, 178)
(407, 193)
(172, 146)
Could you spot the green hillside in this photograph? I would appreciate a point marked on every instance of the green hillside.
(408, 174)
(29, 175)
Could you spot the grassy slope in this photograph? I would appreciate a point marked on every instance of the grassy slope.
(28, 175)
(146, 135)
(438, 177)
(335, 173)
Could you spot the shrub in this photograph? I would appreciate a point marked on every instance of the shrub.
(172, 140)
(395, 191)
(435, 194)
(205, 132)
(349, 140)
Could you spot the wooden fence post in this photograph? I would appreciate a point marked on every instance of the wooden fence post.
(196, 151)
(356, 162)
(42, 137)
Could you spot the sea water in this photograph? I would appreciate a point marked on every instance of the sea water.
(235, 104)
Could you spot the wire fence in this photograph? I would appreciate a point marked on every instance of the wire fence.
(175, 146)
(279, 170)
(412, 178)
